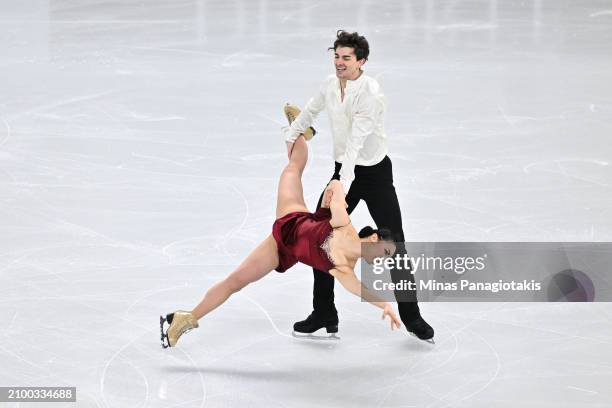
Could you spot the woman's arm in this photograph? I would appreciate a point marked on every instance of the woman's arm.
(351, 283)
(337, 204)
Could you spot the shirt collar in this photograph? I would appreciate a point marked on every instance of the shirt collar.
(353, 85)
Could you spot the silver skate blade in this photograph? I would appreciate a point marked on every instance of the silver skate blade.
(164, 336)
(430, 341)
(311, 336)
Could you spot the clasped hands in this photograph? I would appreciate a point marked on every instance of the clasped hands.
(333, 188)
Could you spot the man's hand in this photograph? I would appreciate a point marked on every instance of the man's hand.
(286, 132)
(334, 184)
(289, 149)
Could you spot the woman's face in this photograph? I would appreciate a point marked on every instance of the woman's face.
(371, 250)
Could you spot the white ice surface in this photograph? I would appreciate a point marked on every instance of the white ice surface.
(139, 156)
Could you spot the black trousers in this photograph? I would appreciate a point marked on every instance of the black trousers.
(374, 185)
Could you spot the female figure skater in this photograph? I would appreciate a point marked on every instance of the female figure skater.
(325, 240)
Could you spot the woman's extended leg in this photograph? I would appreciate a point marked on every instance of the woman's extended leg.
(290, 193)
(259, 263)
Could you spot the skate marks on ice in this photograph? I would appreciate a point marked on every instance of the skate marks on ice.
(131, 194)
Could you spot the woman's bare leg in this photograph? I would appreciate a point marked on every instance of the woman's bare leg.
(259, 263)
(290, 193)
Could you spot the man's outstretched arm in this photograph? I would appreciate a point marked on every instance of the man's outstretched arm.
(305, 119)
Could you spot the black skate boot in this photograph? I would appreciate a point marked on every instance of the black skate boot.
(421, 329)
(417, 326)
(307, 328)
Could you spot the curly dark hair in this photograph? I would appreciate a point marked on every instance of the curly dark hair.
(355, 41)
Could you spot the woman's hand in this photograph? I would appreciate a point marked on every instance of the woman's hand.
(395, 322)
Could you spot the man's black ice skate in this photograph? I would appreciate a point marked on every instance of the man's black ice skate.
(421, 329)
(306, 328)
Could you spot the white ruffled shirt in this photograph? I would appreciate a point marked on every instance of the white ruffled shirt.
(357, 123)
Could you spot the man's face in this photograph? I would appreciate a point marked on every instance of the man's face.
(346, 63)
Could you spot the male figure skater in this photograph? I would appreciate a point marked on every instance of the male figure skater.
(356, 107)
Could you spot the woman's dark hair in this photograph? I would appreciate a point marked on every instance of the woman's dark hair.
(355, 41)
(383, 234)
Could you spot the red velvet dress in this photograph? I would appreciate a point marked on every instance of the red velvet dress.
(300, 236)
